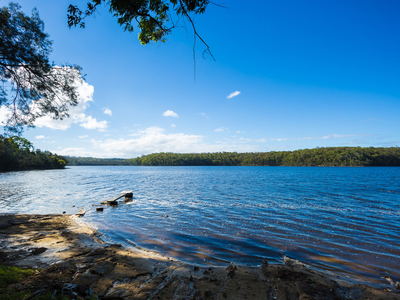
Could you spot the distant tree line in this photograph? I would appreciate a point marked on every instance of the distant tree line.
(17, 153)
(92, 161)
(330, 156)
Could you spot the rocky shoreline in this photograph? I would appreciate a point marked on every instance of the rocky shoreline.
(71, 260)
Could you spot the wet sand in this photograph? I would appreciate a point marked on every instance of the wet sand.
(72, 260)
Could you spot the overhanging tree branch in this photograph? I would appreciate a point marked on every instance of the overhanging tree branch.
(153, 17)
(35, 87)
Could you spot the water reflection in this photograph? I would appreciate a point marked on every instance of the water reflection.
(345, 220)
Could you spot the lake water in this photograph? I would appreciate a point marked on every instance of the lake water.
(344, 220)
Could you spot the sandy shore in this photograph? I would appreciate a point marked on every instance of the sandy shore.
(73, 261)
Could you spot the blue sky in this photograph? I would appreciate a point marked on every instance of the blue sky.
(302, 74)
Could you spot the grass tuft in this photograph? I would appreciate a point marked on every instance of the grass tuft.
(10, 275)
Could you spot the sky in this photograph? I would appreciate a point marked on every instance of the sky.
(287, 75)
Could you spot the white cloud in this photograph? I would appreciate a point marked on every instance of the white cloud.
(240, 131)
(107, 111)
(173, 125)
(77, 113)
(154, 139)
(170, 113)
(40, 137)
(82, 136)
(78, 152)
(92, 123)
(234, 94)
(220, 129)
(151, 140)
(4, 115)
(279, 140)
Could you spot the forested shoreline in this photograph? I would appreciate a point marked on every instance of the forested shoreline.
(93, 161)
(329, 156)
(17, 154)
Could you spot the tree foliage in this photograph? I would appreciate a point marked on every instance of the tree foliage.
(93, 161)
(331, 156)
(17, 153)
(154, 18)
(31, 86)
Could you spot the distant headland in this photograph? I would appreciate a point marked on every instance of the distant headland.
(329, 156)
(18, 154)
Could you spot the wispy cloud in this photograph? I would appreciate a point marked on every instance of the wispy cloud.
(173, 125)
(107, 111)
(40, 137)
(333, 136)
(96, 143)
(240, 131)
(325, 137)
(82, 136)
(279, 140)
(234, 94)
(170, 113)
(308, 138)
(336, 136)
(203, 114)
(220, 129)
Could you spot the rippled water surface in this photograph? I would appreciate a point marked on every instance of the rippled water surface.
(345, 220)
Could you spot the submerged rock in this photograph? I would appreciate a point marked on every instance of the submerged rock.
(110, 202)
(4, 225)
(114, 272)
(231, 270)
(37, 251)
(81, 213)
(264, 267)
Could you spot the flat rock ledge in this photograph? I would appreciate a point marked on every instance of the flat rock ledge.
(72, 261)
